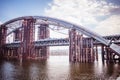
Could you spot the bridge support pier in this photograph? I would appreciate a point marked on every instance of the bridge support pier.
(72, 47)
(28, 37)
(3, 32)
(42, 52)
(80, 49)
(108, 55)
(88, 50)
(96, 52)
(102, 53)
(11, 53)
(17, 35)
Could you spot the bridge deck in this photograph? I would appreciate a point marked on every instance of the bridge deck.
(64, 41)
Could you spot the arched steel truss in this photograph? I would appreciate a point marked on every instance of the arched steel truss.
(68, 25)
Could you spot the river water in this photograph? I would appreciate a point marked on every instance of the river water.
(58, 68)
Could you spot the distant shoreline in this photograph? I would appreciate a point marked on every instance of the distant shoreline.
(59, 52)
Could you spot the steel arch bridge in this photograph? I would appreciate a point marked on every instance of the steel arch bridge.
(24, 32)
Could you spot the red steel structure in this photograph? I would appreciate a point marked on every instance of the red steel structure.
(81, 49)
(43, 33)
(28, 37)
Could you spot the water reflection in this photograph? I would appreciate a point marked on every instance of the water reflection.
(7, 70)
(79, 71)
(58, 68)
(38, 71)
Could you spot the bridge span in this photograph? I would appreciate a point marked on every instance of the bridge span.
(63, 41)
(80, 48)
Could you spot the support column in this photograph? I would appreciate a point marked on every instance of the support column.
(92, 50)
(79, 47)
(3, 32)
(43, 33)
(107, 54)
(110, 56)
(83, 50)
(72, 46)
(17, 35)
(103, 53)
(87, 55)
(28, 38)
(88, 50)
(96, 52)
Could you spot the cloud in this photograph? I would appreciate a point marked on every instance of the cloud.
(92, 14)
(109, 26)
(115, 10)
(71, 10)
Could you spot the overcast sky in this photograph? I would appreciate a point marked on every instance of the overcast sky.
(101, 16)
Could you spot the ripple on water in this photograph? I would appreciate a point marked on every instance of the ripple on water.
(58, 68)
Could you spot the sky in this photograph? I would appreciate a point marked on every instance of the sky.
(101, 16)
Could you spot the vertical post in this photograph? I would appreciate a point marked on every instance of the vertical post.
(28, 37)
(17, 35)
(81, 47)
(70, 45)
(96, 52)
(92, 49)
(86, 51)
(79, 38)
(43, 33)
(20, 49)
(119, 59)
(107, 54)
(83, 50)
(73, 45)
(3, 32)
(103, 53)
(110, 56)
(78, 47)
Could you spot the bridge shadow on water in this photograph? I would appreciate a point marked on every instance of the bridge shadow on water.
(58, 68)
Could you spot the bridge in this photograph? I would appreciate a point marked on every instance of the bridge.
(81, 48)
(62, 42)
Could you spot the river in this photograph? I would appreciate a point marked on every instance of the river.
(58, 68)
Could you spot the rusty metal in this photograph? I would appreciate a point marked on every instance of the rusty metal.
(43, 33)
(81, 49)
(96, 52)
(28, 37)
(72, 47)
(69, 26)
(17, 35)
(3, 32)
